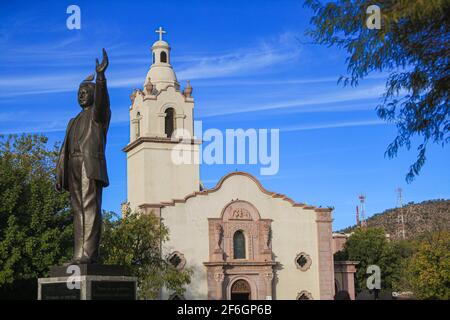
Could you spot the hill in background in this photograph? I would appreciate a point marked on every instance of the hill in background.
(420, 218)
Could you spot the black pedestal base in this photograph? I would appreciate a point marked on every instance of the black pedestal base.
(87, 282)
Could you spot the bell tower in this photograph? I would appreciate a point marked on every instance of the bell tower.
(161, 126)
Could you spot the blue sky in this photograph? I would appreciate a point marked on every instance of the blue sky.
(250, 66)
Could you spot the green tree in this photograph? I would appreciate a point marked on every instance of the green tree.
(135, 241)
(413, 46)
(427, 272)
(35, 220)
(369, 246)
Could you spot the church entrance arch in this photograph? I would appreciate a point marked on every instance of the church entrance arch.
(241, 262)
(240, 290)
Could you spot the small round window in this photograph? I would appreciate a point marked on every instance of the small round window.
(303, 261)
(177, 260)
(304, 295)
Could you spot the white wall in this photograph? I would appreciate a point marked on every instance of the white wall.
(153, 177)
(294, 230)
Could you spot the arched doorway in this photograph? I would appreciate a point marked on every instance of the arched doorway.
(240, 290)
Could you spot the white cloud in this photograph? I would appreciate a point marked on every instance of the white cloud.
(55, 121)
(276, 81)
(55, 83)
(239, 63)
(244, 61)
(337, 97)
(343, 124)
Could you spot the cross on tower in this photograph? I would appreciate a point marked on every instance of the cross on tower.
(160, 31)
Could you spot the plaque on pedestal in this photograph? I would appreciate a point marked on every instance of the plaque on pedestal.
(87, 282)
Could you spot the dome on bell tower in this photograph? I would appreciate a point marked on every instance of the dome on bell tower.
(161, 72)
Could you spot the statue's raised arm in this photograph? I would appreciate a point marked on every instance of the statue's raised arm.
(102, 112)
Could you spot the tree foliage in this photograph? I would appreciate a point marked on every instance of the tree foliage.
(35, 220)
(135, 241)
(420, 266)
(427, 272)
(370, 246)
(413, 46)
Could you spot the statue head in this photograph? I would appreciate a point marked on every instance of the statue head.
(86, 92)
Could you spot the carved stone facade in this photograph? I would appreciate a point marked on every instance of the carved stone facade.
(256, 269)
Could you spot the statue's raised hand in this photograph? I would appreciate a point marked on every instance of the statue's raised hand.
(101, 67)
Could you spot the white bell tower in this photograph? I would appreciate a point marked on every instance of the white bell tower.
(161, 123)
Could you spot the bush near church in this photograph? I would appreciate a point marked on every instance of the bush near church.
(135, 240)
(427, 272)
(420, 266)
(370, 246)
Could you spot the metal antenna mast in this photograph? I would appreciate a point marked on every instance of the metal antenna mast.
(400, 216)
(362, 200)
(357, 216)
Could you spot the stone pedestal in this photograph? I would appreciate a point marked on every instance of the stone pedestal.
(344, 274)
(87, 282)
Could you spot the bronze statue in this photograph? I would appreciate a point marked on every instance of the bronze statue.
(81, 167)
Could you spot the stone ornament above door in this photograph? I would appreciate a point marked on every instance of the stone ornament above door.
(240, 210)
(241, 213)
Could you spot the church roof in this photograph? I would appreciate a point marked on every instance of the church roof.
(251, 177)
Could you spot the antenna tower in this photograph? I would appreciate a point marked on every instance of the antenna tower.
(400, 216)
(362, 200)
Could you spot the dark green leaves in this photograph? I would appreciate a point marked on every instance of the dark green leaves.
(35, 220)
(413, 46)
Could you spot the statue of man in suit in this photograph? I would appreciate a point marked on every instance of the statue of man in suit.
(81, 167)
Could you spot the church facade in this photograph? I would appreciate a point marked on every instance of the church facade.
(241, 240)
